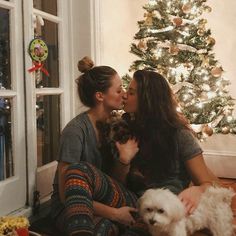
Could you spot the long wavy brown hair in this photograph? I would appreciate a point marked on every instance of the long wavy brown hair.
(158, 120)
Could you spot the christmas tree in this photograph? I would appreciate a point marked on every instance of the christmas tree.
(174, 41)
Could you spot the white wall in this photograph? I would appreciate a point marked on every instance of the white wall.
(119, 24)
(222, 22)
(81, 26)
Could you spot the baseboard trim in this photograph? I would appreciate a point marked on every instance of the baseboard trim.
(24, 211)
(219, 153)
(222, 164)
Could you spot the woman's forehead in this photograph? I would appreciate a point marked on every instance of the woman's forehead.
(133, 84)
(116, 80)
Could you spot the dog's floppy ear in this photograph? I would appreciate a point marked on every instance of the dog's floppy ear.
(141, 206)
(139, 202)
(177, 210)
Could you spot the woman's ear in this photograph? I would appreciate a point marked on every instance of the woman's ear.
(99, 96)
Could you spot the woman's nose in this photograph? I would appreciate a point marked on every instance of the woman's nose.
(124, 95)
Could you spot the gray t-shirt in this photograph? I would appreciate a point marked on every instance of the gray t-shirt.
(187, 147)
(78, 143)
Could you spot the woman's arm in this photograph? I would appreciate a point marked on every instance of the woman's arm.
(120, 171)
(202, 178)
(199, 172)
(127, 151)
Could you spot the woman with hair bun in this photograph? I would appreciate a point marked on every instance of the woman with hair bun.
(85, 201)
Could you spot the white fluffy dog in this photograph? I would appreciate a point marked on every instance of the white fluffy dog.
(164, 213)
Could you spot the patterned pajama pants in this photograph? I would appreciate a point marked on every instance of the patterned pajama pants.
(84, 184)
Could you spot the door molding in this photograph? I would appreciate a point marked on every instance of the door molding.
(96, 41)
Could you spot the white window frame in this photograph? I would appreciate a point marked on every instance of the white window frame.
(62, 19)
(12, 196)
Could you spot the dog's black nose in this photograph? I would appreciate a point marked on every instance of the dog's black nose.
(152, 222)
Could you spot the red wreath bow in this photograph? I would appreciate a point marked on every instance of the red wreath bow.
(38, 66)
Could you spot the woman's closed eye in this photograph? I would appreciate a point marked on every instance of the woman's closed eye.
(131, 91)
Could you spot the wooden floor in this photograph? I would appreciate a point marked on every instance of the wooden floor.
(232, 184)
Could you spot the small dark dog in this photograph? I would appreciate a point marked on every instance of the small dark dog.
(118, 129)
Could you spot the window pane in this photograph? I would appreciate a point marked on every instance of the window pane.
(48, 128)
(49, 33)
(5, 73)
(49, 6)
(6, 157)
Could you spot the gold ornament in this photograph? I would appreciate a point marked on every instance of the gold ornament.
(178, 21)
(207, 130)
(206, 61)
(202, 22)
(225, 130)
(174, 50)
(149, 18)
(208, 9)
(142, 44)
(161, 71)
(200, 32)
(189, 65)
(233, 130)
(186, 8)
(154, 57)
(210, 41)
(202, 27)
(216, 71)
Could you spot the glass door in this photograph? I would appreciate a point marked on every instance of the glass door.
(34, 105)
(13, 184)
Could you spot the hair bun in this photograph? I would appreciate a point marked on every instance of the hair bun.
(85, 64)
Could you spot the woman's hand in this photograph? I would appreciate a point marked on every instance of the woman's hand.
(190, 197)
(202, 177)
(127, 150)
(123, 215)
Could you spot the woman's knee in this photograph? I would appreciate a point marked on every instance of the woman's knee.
(83, 172)
(82, 166)
(80, 169)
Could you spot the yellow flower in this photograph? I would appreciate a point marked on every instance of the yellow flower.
(10, 223)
